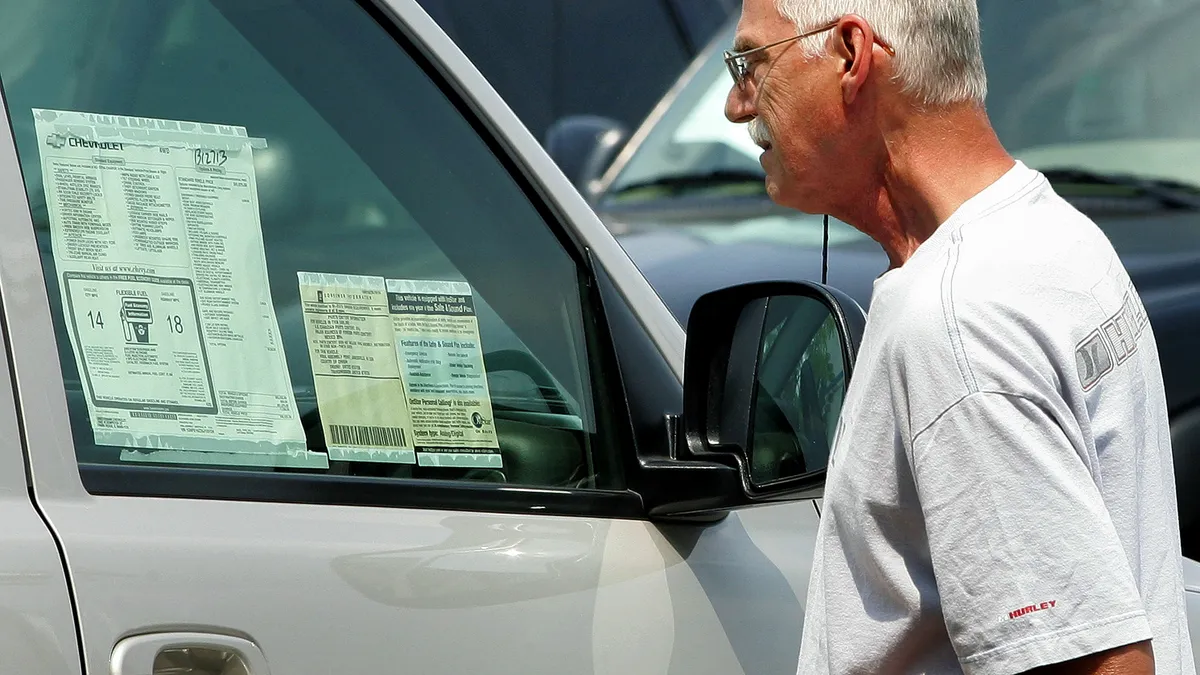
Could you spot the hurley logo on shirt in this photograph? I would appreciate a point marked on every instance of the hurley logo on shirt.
(1018, 613)
(1112, 343)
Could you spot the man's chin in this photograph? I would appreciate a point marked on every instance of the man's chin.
(773, 191)
(780, 192)
(774, 185)
(789, 198)
(778, 188)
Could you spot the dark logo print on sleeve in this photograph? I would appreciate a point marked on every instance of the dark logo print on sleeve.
(1112, 343)
(1018, 613)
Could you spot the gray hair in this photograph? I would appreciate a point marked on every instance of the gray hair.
(939, 58)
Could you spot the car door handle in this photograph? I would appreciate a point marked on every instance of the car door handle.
(190, 653)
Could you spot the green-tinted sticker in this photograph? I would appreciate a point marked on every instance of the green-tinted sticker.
(291, 460)
(440, 355)
(351, 345)
(157, 240)
(461, 460)
(383, 455)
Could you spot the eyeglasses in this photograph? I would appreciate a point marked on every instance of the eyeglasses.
(739, 65)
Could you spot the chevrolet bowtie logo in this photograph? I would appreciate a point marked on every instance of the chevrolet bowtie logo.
(56, 140)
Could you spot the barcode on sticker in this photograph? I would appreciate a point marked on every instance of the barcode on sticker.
(380, 437)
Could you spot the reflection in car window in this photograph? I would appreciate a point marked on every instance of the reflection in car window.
(337, 215)
(800, 390)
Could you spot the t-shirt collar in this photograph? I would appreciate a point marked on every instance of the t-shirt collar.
(1013, 181)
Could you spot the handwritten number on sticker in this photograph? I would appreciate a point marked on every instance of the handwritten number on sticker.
(211, 157)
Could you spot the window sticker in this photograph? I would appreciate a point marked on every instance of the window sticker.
(441, 364)
(156, 238)
(364, 413)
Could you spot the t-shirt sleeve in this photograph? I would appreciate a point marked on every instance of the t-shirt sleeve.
(1028, 564)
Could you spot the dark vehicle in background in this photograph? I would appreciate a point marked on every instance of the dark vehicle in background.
(563, 65)
(1077, 89)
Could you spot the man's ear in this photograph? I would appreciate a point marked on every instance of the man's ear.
(854, 43)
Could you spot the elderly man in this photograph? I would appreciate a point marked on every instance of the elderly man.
(1001, 496)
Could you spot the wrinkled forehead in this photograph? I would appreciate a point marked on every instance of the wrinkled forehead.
(760, 24)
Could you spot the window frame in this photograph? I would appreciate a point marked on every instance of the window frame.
(38, 374)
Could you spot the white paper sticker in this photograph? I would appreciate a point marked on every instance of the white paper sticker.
(159, 254)
(351, 344)
(441, 363)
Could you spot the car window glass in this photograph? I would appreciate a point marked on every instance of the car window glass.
(332, 212)
(693, 136)
(1075, 83)
(1071, 83)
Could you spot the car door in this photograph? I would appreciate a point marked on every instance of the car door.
(316, 376)
(37, 628)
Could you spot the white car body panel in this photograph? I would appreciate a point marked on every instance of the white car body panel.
(347, 589)
(37, 628)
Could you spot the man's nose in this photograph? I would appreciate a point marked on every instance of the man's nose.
(739, 105)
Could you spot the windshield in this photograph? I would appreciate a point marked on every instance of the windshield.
(1109, 87)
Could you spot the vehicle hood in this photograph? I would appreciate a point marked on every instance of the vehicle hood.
(681, 268)
(689, 252)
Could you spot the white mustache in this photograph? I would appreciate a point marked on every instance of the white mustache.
(759, 133)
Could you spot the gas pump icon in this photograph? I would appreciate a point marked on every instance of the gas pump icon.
(136, 319)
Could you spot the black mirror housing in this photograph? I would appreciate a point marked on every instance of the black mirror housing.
(766, 367)
(583, 146)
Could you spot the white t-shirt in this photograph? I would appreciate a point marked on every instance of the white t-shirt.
(1000, 493)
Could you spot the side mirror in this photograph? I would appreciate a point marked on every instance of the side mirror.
(767, 367)
(583, 146)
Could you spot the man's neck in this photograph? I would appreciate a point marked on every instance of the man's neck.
(934, 163)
